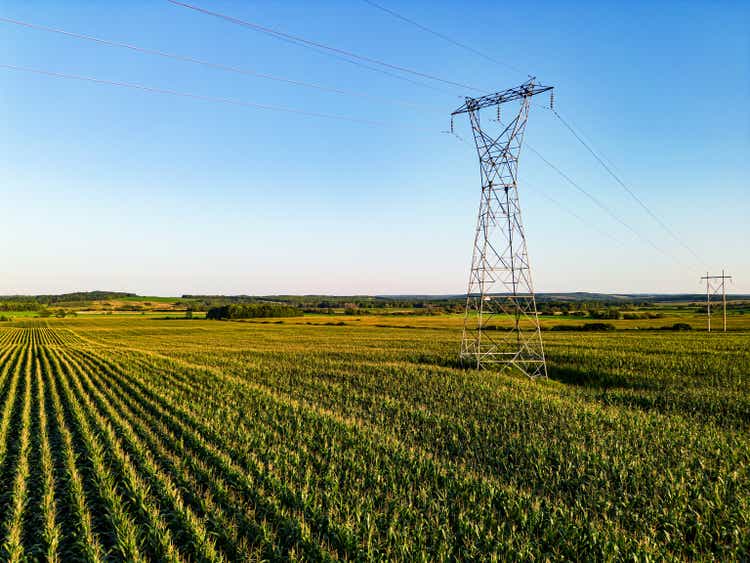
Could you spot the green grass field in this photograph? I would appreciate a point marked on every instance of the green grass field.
(133, 438)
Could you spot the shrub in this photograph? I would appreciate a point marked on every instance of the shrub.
(585, 326)
(678, 326)
(598, 326)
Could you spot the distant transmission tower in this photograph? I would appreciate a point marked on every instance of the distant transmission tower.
(713, 287)
(500, 284)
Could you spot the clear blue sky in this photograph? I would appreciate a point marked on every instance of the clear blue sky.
(111, 188)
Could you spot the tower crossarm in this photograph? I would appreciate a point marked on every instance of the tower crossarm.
(721, 277)
(525, 90)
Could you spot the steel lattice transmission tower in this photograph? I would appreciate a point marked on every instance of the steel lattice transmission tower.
(500, 283)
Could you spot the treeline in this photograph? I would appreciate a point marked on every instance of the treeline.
(250, 311)
(41, 310)
(579, 304)
(19, 305)
(600, 327)
(78, 296)
(325, 302)
(599, 311)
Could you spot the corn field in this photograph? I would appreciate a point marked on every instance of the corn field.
(142, 440)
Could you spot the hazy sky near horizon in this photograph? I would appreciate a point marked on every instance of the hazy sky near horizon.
(104, 187)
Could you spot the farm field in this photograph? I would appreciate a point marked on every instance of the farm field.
(134, 438)
(735, 322)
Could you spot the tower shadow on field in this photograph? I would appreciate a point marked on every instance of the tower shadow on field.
(596, 379)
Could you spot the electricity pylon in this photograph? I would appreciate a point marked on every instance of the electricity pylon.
(713, 288)
(500, 283)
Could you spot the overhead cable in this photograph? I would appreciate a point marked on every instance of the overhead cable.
(626, 188)
(205, 63)
(231, 101)
(601, 205)
(553, 200)
(444, 37)
(587, 223)
(317, 45)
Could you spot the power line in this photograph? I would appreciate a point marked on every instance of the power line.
(600, 204)
(578, 137)
(444, 37)
(328, 53)
(197, 61)
(536, 189)
(232, 101)
(317, 45)
(189, 95)
(309, 43)
(585, 138)
(625, 187)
